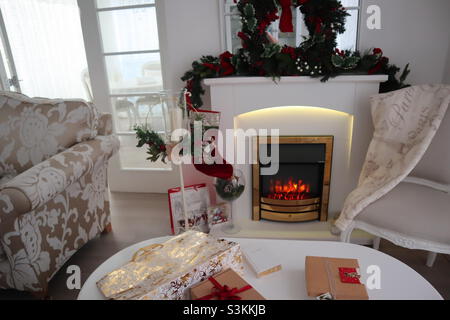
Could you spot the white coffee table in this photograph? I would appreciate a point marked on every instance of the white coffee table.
(398, 281)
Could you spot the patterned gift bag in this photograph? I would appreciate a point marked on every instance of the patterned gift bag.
(197, 203)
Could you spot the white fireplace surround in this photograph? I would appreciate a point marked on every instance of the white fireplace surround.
(249, 101)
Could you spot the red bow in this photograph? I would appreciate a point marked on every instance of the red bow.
(286, 16)
(224, 292)
(349, 275)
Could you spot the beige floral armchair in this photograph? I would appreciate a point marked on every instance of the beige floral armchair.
(53, 185)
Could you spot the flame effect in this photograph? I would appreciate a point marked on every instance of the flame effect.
(290, 190)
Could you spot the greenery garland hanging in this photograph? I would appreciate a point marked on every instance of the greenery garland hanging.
(317, 55)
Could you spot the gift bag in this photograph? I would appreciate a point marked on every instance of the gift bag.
(197, 203)
(168, 270)
(218, 214)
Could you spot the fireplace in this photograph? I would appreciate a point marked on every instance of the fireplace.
(300, 190)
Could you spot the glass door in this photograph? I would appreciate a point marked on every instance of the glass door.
(128, 47)
(129, 33)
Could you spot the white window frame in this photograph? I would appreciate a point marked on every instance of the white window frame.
(225, 24)
(358, 27)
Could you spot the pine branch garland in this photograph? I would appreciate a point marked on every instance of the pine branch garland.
(317, 55)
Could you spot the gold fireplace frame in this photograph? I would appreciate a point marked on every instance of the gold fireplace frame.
(321, 204)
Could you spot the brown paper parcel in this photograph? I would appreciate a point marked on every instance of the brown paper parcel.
(319, 269)
(230, 279)
(165, 271)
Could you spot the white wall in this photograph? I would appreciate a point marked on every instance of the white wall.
(191, 30)
(414, 31)
(447, 67)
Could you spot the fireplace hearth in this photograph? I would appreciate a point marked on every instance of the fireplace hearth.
(299, 191)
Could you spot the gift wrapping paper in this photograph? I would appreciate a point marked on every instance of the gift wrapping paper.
(165, 271)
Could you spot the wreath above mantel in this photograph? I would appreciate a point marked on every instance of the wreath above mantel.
(317, 55)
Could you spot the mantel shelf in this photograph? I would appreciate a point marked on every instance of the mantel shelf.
(293, 79)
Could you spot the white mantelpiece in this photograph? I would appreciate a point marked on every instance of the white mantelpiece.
(237, 99)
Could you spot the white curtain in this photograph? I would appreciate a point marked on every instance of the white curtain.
(47, 47)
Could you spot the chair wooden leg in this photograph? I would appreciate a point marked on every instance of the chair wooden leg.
(431, 258)
(108, 229)
(376, 243)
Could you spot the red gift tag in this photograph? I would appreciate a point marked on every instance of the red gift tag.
(349, 275)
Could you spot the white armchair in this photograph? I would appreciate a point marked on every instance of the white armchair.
(416, 213)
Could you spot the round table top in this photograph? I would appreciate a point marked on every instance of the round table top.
(397, 280)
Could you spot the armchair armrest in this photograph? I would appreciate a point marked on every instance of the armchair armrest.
(13, 202)
(105, 124)
(44, 181)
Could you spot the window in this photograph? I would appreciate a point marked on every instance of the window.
(349, 39)
(42, 49)
(232, 25)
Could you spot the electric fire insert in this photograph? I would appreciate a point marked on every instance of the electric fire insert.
(301, 188)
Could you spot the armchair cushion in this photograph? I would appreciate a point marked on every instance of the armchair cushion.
(33, 130)
(414, 210)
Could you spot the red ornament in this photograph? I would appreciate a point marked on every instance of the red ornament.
(382, 62)
(211, 66)
(378, 51)
(243, 36)
(262, 27)
(272, 16)
(340, 52)
(226, 68)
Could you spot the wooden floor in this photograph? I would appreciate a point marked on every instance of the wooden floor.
(138, 217)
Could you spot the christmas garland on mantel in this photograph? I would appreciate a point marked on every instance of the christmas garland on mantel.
(317, 56)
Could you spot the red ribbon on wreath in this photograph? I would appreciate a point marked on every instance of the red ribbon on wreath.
(224, 292)
(286, 16)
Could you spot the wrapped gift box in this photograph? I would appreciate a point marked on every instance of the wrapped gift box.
(323, 276)
(227, 285)
(165, 271)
